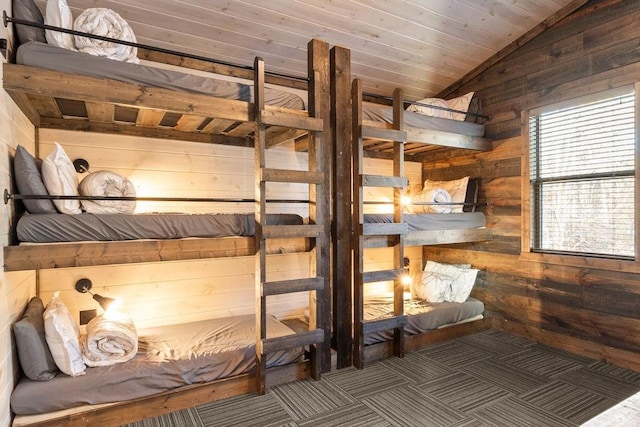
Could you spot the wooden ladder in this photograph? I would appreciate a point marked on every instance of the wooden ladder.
(316, 229)
(394, 232)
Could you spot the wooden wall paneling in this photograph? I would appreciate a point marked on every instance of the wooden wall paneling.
(16, 289)
(165, 168)
(580, 304)
(177, 292)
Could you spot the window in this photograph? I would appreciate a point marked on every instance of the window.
(582, 177)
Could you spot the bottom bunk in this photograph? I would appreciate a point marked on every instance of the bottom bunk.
(413, 342)
(427, 323)
(438, 307)
(176, 366)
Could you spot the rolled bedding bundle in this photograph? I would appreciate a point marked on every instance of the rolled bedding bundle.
(107, 23)
(111, 338)
(107, 184)
(433, 196)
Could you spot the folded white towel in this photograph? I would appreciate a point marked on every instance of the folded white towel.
(111, 338)
(106, 23)
(433, 196)
(107, 184)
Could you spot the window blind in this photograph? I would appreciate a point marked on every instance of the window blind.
(582, 178)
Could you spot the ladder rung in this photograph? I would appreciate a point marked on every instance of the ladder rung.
(384, 229)
(384, 134)
(277, 117)
(281, 175)
(384, 324)
(383, 181)
(383, 275)
(381, 241)
(290, 286)
(290, 231)
(288, 342)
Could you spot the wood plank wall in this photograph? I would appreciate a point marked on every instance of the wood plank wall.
(16, 288)
(177, 292)
(585, 305)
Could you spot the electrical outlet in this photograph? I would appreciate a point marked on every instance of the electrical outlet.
(87, 315)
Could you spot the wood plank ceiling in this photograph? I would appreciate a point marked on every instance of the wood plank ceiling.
(422, 46)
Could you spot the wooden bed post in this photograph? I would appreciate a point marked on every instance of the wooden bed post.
(398, 193)
(357, 244)
(260, 215)
(342, 188)
(320, 156)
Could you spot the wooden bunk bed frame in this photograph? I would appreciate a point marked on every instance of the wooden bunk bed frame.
(358, 137)
(39, 93)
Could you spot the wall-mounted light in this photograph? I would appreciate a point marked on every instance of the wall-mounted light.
(84, 286)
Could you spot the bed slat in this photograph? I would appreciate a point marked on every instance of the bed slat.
(378, 325)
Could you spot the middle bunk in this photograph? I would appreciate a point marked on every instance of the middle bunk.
(389, 322)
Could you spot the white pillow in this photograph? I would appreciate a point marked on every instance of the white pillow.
(433, 112)
(445, 282)
(58, 14)
(435, 195)
(457, 188)
(432, 287)
(460, 103)
(60, 178)
(439, 267)
(462, 284)
(62, 335)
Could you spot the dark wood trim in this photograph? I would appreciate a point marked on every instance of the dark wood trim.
(413, 342)
(173, 400)
(82, 254)
(342, 190)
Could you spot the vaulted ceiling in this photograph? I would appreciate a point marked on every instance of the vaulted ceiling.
(422, 46)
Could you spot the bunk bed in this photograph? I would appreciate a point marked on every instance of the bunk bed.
(222, 113)
(392, 325)
(61, 89)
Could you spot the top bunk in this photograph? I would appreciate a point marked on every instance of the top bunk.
(428, 124)
(60, 88)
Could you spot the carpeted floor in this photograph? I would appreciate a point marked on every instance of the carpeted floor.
(486, 379)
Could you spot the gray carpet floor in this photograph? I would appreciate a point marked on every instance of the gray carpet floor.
(485, 379)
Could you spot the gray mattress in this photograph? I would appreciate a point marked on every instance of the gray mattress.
(422, 316)
(383, 113)
(169, 357)
(58, 59)
(51, 228)
(434, 221)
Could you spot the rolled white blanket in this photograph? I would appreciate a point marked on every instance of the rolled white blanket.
(107, 23)
(107, 184)
(433, 196)
(111, 338)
